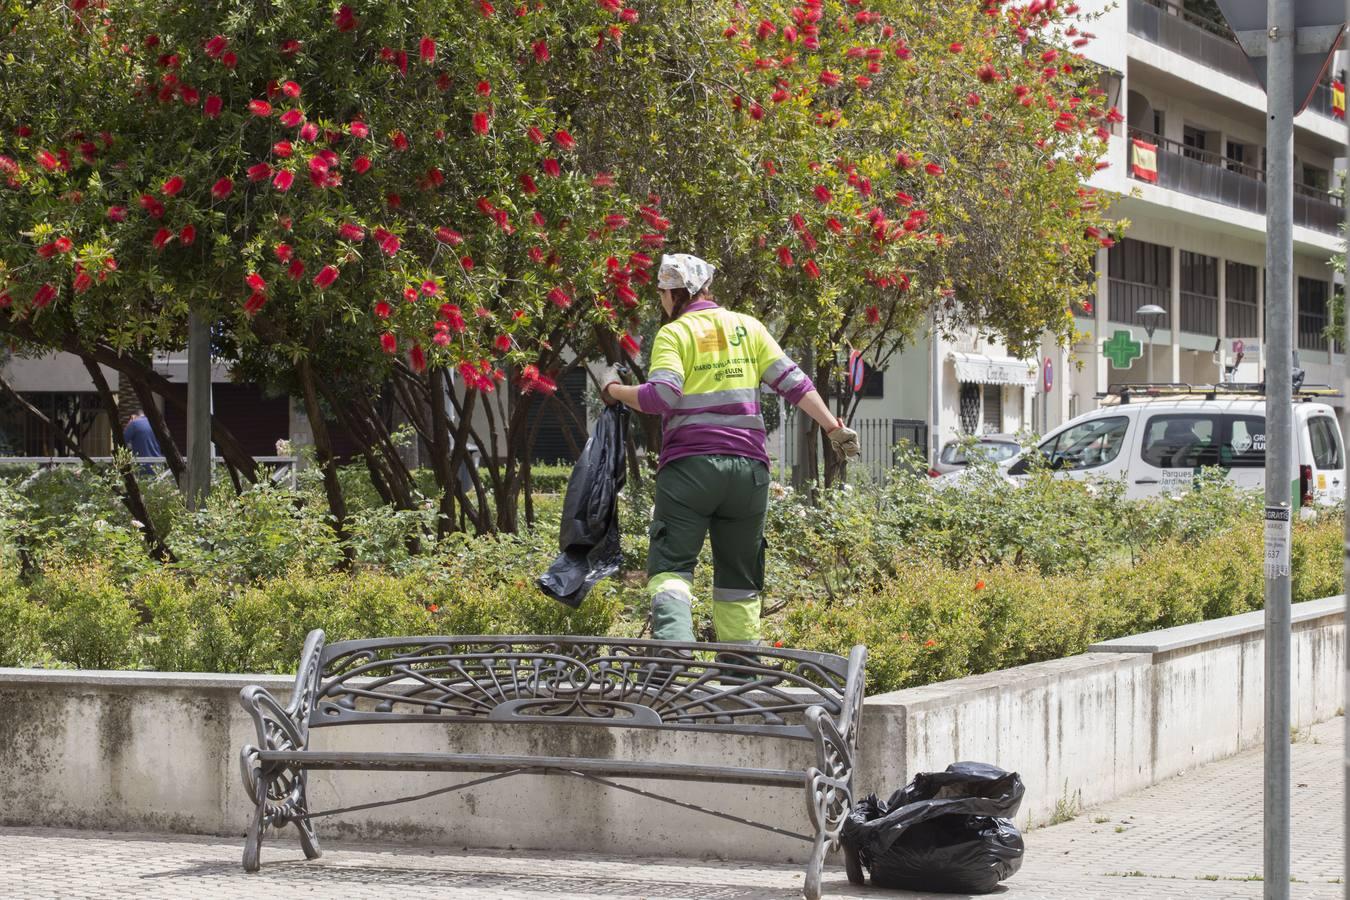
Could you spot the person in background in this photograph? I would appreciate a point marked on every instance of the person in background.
(140, 438)
(707, 365)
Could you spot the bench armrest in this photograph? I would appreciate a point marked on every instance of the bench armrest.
(281, 727)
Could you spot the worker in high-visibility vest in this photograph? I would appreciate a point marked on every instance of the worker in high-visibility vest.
(704, 377)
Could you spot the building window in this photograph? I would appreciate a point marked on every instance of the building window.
(1315, 178)
(874, 383)
(1242, 310)
(1139, 273)
(78, 416)
(1195, 141)
(1312, 313)
(1158, 122)
(993, 409)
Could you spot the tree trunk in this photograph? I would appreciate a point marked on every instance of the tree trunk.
(146, 397)
(323, 448)
(447, 478)
(806, 471)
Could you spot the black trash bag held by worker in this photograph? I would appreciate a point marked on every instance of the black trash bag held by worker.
(589, 536)
(948, 832)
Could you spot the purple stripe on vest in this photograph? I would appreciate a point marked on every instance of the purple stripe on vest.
(653, 400)
(726, 409)
(711, 440)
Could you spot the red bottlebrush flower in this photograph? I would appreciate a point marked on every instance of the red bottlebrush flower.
(614, 221)
(972, 99)
(162, 237)
(811, 269)
(216, 46)
(559, 298)
(229, 60)
(359, 129)
(191, 96)
(613, 6)
(418, 358)
(430, 288)
(564, 140)
(933, 169)
(756, 111)
(863, 82)
(527, 182)
(44, 295)
(117, 214)
(82, 283)
(389, 342)
(361, 165)
(255, 282)
(211, 109)
(63, 244)
(390, 244)
(400, 141)
(987, 73)
(5, 300)
(350, 232)
(1108, 242)
(630, 344)
(383, 310)
(292, 118)
(152, 206)
(345, 19)
(480, 123)
(291, 89)
(260, 107)
(765, 30)
(823, 193)
(283, 149)
(535, 135)
(785, 257)
(283, 252)
(296, 269)
(602, 180)
(873, 315)
(290, 47)
(483, 89)
(48, 160)
(502, 343)
(539, 219)
(540, 50)
(255, 302)
(829, 79)
(956, 47)
(552, 168)
(449, 236)
(46, 251)
(626, 295)
(327, 275)
(410, 294)
(486, 8)
(1050, 56)
(426, 49)
(629, 16)
(283, 180)
(187, 235)
(640, 261)
(466, 263)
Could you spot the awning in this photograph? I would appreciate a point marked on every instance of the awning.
(976, 368)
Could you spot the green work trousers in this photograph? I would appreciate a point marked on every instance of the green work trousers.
(727, 496)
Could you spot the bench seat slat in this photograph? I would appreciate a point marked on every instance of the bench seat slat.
(614, 768)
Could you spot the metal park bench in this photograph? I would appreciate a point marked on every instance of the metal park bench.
(720, 688)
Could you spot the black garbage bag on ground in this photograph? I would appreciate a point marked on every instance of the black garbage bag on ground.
(950, 832)
(589, 536)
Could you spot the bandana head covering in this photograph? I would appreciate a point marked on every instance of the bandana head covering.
(680, 270)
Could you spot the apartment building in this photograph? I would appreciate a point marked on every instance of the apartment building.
(1188, 163)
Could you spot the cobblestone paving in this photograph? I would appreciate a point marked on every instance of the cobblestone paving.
(1196, 836)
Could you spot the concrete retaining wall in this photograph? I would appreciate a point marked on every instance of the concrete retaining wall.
(159, 752)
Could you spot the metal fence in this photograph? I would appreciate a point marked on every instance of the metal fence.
(884, 444)
(283, 468)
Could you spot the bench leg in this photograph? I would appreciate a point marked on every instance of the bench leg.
(815, 868)
(309, 840)
(256, 826)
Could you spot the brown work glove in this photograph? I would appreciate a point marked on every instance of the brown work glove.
(844, 440)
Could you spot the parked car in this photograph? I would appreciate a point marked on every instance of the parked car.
(990, 447)
(1158, 444)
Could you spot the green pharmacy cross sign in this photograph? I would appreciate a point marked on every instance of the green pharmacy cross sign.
(1122, 349)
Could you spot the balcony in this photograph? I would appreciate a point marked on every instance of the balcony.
(1225, 180)
(1176, 28)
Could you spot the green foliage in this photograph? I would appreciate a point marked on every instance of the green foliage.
(91, 624)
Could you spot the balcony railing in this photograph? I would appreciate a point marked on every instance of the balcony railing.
(1199, 314)
(1171, 25)
(1241, 318)
(1124, 297)
(1223, 179)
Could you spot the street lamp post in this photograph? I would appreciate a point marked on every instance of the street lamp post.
(1150, 315)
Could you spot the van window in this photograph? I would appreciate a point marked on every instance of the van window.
(1245, 444)
(1326, 442)
(1180, 441)
(1088, 444)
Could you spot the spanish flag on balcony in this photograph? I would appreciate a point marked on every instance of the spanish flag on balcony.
(1144, 160)
(1338, 99)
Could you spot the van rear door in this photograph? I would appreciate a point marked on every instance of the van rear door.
(1326, 457)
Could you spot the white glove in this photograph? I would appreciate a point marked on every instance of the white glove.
(609, 376)
(844, 440)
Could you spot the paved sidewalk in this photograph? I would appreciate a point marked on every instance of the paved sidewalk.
(1198, 835)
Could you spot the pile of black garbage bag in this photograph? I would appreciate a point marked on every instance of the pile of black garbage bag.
(946, 832)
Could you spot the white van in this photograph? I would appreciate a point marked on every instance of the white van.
(1158, 440)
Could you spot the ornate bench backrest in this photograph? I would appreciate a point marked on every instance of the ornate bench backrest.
(581, 680)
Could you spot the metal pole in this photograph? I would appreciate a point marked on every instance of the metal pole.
(1150, 356)
(1279, 436)
(935, 391)
(199, 411)
(1345, 429)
